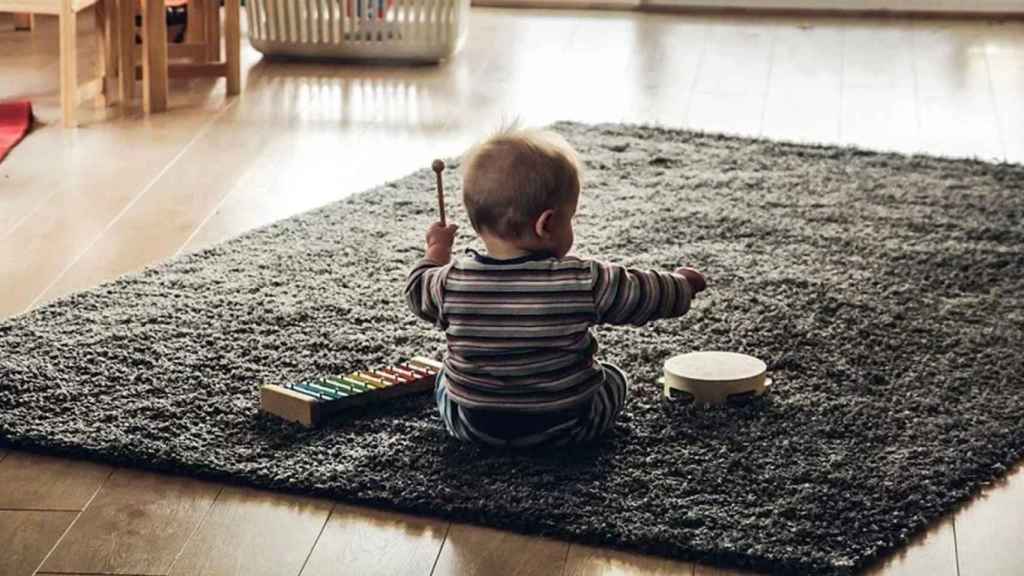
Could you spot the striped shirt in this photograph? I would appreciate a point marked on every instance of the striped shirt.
(518, 330)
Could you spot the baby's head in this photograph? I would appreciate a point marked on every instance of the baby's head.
(521, 187)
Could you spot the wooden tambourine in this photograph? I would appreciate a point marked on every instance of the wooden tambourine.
(713, 378)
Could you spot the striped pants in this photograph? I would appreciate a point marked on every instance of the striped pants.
(576, 427)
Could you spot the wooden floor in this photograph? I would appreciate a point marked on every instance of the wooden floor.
(81, 207)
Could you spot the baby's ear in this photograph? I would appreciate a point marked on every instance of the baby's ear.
(542, 227)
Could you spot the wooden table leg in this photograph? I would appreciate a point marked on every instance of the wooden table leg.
(126, 49)
(195, 31)
(233, 45)
(104, 46)
(213, 30)
(68, 64)
(154, 57)
(112, 43)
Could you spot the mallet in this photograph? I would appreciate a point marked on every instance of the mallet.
(438, 167)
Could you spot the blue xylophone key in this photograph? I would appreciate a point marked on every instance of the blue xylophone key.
(320, 391)
(302, 388)
(326, 390)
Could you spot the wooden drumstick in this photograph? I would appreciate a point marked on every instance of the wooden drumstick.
(438, 167)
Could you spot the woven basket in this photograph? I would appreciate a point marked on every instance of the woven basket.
(409, 30)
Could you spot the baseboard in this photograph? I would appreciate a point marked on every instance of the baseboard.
(863, 6)
(987, 9)
(563, 4)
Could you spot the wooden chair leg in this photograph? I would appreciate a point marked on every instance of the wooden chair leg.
(154, 57)
(233, 42)
(213, 31)
(68, 64)
(126, 48)
(24, 21)
(102, 51)
(112, 35)
(195, 33)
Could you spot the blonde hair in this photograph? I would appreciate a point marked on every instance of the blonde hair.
(511, 178)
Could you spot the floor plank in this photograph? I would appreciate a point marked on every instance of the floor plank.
(729, 91)
(804, 91)
(949, 57)
(990, 531)
(736, 114)
(1005, 59)
(137, 524)
(27, 536)
(471, 550)
(253, 533)
(34, 54)
(934, 86)
(663, 81)
(931, 553)
(70, 210)
(704, 570)
(878, 55)
(154, 226)
(954, 91)
(31, 72)
(51, 218)
(599, 54)
(290, 179)
(590, 561)
(375, 543)
(737, 58)
(880, 120)
(978, 135)
(35, 482)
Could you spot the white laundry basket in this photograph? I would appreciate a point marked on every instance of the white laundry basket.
(410, 30)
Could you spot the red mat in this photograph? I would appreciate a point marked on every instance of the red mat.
(15, 120)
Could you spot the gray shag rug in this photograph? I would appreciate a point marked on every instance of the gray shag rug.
(886, 293)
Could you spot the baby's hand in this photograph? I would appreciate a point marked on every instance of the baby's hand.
(440, 239)
(695, 278)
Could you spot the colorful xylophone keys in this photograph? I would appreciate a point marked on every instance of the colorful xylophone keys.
(309, 403)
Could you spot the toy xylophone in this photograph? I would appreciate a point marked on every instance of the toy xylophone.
(310, 402)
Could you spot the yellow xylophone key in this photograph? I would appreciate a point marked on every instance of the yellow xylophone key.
(358, 385)
(359, 377)
(348, 387)
(373, 380)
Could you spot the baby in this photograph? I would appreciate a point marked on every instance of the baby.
(520, 368)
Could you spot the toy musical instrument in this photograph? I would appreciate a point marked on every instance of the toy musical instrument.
(713, 377)
(311, 402)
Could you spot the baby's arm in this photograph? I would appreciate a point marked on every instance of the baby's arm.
(423, 287)
(629, 296)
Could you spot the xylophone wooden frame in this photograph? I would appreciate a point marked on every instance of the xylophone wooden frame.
(310, 411)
